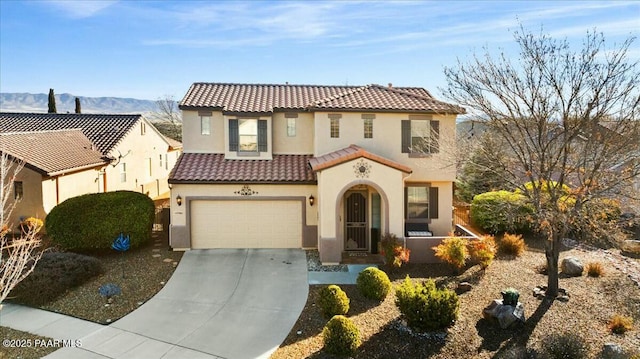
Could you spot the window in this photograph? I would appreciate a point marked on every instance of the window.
(335, 128)
(420, 136)
(160, 160)
(123, 172)
(205, 125)
(18, 190)
(143, 128)
(149, 165)
(368, 128)
(247, 135)
(421, 203)
(417, 202)
(291, 127)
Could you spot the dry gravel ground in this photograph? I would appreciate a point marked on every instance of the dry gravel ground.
(146, 269)
(29, 351)
(593, 302)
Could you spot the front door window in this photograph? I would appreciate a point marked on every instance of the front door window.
(356, 221)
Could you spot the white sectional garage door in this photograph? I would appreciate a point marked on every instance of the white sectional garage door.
(246, 224)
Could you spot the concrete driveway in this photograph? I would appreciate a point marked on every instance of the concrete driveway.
(219, 303)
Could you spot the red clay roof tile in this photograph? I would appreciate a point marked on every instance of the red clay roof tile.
(350, 153)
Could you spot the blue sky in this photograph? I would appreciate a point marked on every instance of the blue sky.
(149, 49)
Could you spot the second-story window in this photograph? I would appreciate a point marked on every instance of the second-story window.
(248, 135)
(334, 130)
(420, 136)
(205, 125)
(368, 125)
(18, 190)
(291, 127)
(123, 172)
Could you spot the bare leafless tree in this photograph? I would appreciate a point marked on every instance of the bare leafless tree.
(168, 118)
(18, 254)
(566, 117)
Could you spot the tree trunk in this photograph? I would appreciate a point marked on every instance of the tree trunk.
(552, 252)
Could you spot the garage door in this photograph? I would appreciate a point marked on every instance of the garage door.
(246, 224)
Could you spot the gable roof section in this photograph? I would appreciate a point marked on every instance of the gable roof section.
(105, 131)
(351, 153)
(52, 152)
(214, 168)
(264, 98)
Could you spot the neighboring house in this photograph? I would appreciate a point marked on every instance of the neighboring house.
(298, 166)
(67, 155)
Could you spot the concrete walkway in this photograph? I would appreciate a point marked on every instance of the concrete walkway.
(238, 303)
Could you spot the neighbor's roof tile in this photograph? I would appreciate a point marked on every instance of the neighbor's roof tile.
(105, 131)
(214, 168)
(52, 152)
(262, 98)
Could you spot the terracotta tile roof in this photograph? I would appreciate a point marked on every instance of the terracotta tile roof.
(105, 131)
(350, 153)
(263, 98)
(214, 168)
(52, 152)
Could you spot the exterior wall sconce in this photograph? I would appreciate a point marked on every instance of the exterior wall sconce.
(179, 200)
(312, 200)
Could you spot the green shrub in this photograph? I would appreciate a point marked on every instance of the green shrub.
(341, 336)
(53, 275)
(512, 244)
(94, 221)
(501, 211)
(333, 301)
(426, 307)
(394, 251)
(564, 346)
(483, 250)
(453, 250)
(373, 283)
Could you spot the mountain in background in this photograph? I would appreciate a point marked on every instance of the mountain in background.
(38, 103)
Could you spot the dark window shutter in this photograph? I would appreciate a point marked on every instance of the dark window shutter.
(434, 146)
(406, 136)
(433, 202)
(233, 135)
(262, 135)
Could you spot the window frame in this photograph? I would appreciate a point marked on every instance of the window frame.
(334, 128)
(408, 203)
(242, 121)
(123, 172)
(291, 126)
(368, 127)
(18, 190)
(205, 125)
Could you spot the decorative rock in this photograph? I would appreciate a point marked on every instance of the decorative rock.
(572, 266)
(155, 250)
(156, 255)
(167, 260)
(463, 287)
(612, 351)
(506, 315)
(631, 246)
(299, 332)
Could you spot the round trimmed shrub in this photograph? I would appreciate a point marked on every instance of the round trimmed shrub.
(501, 211)
(426, 307)
(53, 275)
(94, 221)
(341, 336)
(333, 301)
(373, 283)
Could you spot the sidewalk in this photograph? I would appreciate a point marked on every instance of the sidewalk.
(348, 277)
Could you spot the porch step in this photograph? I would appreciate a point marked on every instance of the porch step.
(361, 258)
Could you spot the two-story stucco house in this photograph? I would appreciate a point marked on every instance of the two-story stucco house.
(67, 155)
(301, 166)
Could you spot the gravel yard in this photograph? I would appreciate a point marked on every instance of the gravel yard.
(593, 301)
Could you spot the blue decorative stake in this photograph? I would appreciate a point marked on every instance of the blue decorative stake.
(121, 244)
(109, 290)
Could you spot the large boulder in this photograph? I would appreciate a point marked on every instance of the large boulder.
(572, 266)
(612, 351)
(506, 315)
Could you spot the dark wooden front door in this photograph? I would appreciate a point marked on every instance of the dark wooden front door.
(356, 221)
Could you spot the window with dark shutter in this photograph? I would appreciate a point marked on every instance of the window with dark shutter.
(233, 135)
(262, 135)
(434, 146)
(406, 136)
(433, 202)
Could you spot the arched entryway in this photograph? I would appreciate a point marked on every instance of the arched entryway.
(362, 217)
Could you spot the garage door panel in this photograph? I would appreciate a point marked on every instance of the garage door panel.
(246, 224)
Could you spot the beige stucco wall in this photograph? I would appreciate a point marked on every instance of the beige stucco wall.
(194, 141)
(301, 143)
(333, 182)
(31, 203)
(137, 151)
(387, 142)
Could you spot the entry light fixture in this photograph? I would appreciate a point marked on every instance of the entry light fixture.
(179, 200)
(312, 200)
